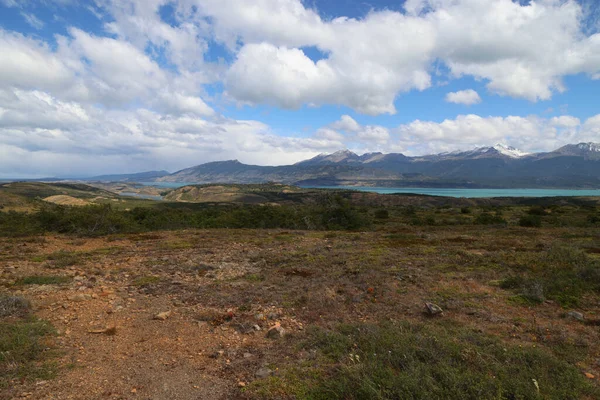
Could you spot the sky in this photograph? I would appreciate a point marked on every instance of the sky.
(95, 87)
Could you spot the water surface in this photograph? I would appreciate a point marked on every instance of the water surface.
(475, 193)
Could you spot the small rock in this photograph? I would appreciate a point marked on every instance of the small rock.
(575, 315)
(247, 355)
(162, 316)
(256, 327)
(275, 332)
(241, 384)
(433, 309)
(263, 373)
(80, 297)
(217, 354)
(589, 376)
(105, 331)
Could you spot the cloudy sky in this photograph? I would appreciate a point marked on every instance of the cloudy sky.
(115, 86)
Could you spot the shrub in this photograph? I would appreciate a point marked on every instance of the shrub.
(530, 221)
(537, 210)
(11, 306)
(487, 218)
(382, 214)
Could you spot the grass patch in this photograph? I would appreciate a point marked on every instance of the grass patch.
(146, 280)
(62, 259)
(563, 274)
(177, 245)
(413, 361)
(43, 280)
(24, 351)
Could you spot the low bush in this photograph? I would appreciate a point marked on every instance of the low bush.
(530, 221)
(332, 213)
(382, 214)
(487, 218)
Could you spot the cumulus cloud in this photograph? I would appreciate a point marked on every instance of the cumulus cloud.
(520, 50)
(346, 123)
(467, 131)
(466, 97)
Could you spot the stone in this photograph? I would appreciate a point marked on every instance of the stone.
(589, 376)
(433, 309)
(111, 331)
(263, 373)
(275, 332)
(80, 297)
(575, 315)
(162, 315)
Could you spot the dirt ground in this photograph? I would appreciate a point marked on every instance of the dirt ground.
(220, 291)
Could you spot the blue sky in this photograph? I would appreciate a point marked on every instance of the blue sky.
(106, 86)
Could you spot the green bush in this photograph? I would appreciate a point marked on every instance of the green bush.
(332, 213)
(537, 210)
(487, 218)
(530, 221)
(382, 214)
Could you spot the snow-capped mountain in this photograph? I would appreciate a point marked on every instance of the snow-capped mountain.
(588, 150)
(575, 165)
(509, 151)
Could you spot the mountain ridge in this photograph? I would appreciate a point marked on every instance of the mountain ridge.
(575, 165)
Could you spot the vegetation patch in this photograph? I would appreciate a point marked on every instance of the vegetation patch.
(63, 258)
(413, 361)
(146, 280)
(14, 306)
(25, 352)
(43, 280)
(563, 274)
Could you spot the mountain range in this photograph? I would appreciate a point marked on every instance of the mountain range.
(498, 166)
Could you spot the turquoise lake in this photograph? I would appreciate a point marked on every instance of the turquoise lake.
(448, 192)
(476, 193)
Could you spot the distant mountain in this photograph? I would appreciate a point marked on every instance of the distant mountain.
(137, 177)
(589, 151)
(571, 166)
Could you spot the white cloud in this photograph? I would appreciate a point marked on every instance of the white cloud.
(467, 131)
(32, 20)
(466, 97)
(29, 63)
(519, 50)
(346, 123)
